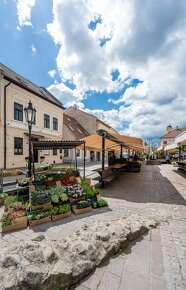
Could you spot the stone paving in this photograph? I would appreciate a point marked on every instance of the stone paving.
(155, 262)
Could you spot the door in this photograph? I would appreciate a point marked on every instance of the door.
(35, 156)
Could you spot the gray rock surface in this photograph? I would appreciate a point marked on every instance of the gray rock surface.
(44, 264)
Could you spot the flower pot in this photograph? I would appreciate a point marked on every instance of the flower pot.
(80, 210)
(61, 216)
(14, 227)
(40, 221)
(21, 219)
(42, 206)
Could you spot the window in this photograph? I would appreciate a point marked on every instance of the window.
(34, 121)
(79, 131)
(54, 151)
(78, 153)
(164, 142)
(60, 151)
(46, 152)
(18, 146)
(18, 112)
(66, 153)
(55, 124)
(46, 121)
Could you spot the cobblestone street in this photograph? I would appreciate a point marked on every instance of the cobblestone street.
(156, 260)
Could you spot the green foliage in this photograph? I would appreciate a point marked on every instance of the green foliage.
(100, 203)
(39, 215)
(87, 189)
(40, 197)
(58, 194)
(7, 219)
(10, 199)
(61, 209)
(83, 204)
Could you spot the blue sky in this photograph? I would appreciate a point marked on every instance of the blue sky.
(120, 63)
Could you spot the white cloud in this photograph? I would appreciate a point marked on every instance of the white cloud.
(34, 49)
(52, 73)
(24, 8)
(146, 43)
(67, 96)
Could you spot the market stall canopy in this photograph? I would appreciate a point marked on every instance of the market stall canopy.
(52, 144)
(94, 142)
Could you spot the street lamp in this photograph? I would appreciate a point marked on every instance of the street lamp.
(30, 114)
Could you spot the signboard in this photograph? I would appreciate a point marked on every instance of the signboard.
(1, 180)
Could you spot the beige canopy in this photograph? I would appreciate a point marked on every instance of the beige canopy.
(94, 142)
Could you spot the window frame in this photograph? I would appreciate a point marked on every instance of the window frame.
(54, 152)
(19, 143)
(55, 123)
(19, 112)
(46, 121)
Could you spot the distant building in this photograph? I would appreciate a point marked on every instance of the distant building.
(15, 93)
(89, 124)
(73, 131)
(170, 136)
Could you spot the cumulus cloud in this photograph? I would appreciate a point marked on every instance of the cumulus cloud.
(148, 44)
(24, 8)
(67, 96)
(52, 73)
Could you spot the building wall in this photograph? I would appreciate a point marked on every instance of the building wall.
(104, 127)
(88, 122)
(168, 140)
(20, 129)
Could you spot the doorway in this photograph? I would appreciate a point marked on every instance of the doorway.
(35, 156)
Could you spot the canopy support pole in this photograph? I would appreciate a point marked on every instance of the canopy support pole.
(103, 151)
(75, 158)
(84, 161)
(121, 152)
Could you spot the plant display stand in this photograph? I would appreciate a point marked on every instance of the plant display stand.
(80, 210)
(16, 226)
(61, 216)
(40, 221)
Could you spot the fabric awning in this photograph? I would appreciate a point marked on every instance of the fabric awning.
(94, 142)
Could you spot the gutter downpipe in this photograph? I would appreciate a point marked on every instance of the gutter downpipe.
(5, 123)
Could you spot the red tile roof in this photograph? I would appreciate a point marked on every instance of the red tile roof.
(174, 133)
(74, 127)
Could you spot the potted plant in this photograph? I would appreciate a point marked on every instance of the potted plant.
(58, 194)
(9, 224)
(76, 193)
(24, 181)
(39, 218)
(100, 203)
(40, 200)
(60, 212)
(82, 207)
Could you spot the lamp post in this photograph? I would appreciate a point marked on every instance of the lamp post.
(30, 113)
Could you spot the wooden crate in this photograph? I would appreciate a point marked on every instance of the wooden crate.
(21, 219)
(77, 199)
(14, 227)
(40, 221)
(45, 206)
(80, 210)
(61, 216)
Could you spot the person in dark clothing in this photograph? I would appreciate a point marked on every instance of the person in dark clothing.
(135, 158)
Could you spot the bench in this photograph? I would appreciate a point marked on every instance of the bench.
(106, 175)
